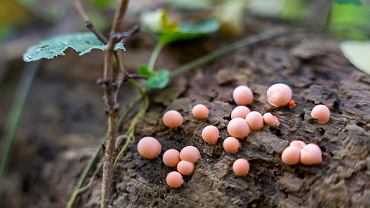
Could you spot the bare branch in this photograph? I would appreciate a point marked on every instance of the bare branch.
(110, 97)
(124, 35)
(116, 28)
(110, 85)
(123, 75)
(89, 25)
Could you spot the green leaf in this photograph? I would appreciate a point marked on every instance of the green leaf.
(82, 43)
(348, 1)
(159, 24)
(155, 79)
(358, 53)
(191, 30)
(158, 80)
(145, 71)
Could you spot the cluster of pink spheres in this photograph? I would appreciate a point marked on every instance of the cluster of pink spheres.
(299, 152)
(243, 122)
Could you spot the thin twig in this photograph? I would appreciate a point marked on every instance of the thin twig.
(122, 74)
(120, 37)
(123, 35)
(92, 178)
(111, 86)
(88, 23)
(110, 96)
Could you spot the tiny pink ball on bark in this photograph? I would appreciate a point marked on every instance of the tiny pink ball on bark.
(200, 112)
(270, 120)
(311, 155)
(243, 95)
(291, 155)
(241, 167)
(254, 120)
(297, 143)
(240, 112)
(321, 113)
(172, 119)
(190, 153)
(231, 145)
(210, 134)
(174, 179)
(149, 147)
(185, 167)
(171, 158)
(279, 94)
(238, 128)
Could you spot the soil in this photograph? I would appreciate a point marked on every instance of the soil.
(64, 122)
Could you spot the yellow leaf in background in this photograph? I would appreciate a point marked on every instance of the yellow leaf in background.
(11, 13)
(159, 21)
(230, 15)
(169, 25)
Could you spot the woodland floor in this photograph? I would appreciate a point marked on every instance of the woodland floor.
(64, 121)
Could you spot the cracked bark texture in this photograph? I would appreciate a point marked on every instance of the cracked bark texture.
(318, 73)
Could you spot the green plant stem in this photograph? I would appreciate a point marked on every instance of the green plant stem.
(130, 134)
(17, 106)
(227, 49)
(90, 166)
(131, 130)
(155, 54)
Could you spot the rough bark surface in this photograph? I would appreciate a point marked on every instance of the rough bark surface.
(317, 72)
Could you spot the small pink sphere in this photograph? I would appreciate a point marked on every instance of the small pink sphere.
(240, 112)
(210, 134)
(241, 167)
(172, 119)
(149, 147)
(174, 179)
(290, 155)
(254, 120)
(279, 94)
(297, 143)
(190, 153)
(311, 154)
(321, 113)
(171, 158)
(238, 128)
(243, 95)
(270, 119)
(185, 167)
(200, 112)
(231, 145)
